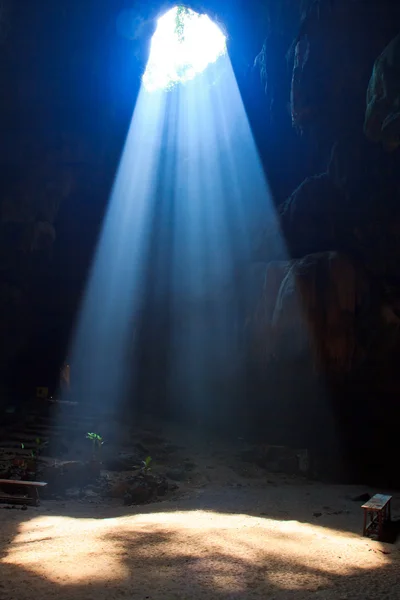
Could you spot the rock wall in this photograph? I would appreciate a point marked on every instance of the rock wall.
(334, 304)
(320, 83)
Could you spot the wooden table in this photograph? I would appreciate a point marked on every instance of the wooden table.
(32, 496)
(378, 509)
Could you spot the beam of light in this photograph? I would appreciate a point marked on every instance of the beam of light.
(184, 44)
(189, 197)
(100, 354)
(222, 197)
(233, 548)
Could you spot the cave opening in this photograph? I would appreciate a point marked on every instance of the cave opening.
(184, 44)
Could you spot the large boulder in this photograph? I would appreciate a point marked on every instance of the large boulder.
(311, 217)
(332, 55)
(382, 116)
(311, 304)
(348, 208)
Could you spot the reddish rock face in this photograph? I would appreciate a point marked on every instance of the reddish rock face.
(312, 303)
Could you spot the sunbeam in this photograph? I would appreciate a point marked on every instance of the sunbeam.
(189, 197)
(221, 197)
(100, 352)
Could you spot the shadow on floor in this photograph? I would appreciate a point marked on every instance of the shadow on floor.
(156, 557)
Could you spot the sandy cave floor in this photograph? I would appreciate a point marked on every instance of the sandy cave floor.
(225, 536)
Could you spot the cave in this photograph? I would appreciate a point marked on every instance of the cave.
(199, 298)
(310, 315)
(326, 135)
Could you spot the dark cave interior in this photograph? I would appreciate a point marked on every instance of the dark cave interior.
(320, 82)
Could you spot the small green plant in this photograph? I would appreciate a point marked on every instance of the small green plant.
(32, 453)
(39, 445)
(146, 465)
(97, 442)
(32, 461)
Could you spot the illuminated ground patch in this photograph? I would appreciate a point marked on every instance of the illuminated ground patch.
(183, 45)
(193, 554)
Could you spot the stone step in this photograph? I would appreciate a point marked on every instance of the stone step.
(64, 418)
(9, 453)
(43, 429)
(17, 444)
(22, 436)
(83, 416)
(20, 452)
(66, 421)
(31, 433)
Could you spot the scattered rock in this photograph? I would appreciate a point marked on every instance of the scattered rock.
(177, 474)
(152, 439)
(69, 474)
(119, 464)
(275, 459)
(170, 448)
(338, 512)
(145, 488)
(73, 493)
(142, 449)
(189, 465)
(317, 514)
(362, 498)
(118, 489)
(138, 493)
(90, 494)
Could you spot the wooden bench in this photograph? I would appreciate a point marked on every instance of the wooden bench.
(378, 509)
(32, 488)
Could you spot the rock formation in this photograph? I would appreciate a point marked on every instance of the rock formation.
(382, 117)
(330, 303)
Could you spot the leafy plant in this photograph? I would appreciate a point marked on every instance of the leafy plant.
(146, 465)
(97, 442)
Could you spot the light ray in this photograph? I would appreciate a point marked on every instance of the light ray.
(224, 196)
(189, 196)
(101, 346)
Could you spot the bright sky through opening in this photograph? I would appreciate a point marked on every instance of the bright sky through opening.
(183, 45)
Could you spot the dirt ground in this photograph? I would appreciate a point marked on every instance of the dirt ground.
(232, 532)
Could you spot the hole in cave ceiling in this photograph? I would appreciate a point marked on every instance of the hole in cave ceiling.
(183, 45)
